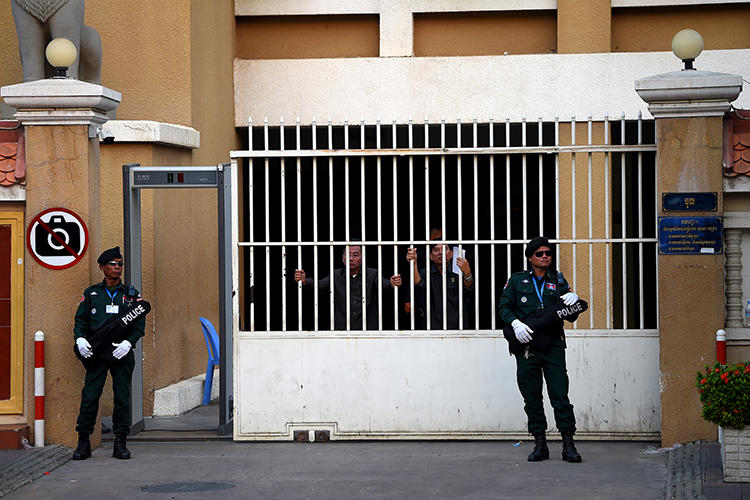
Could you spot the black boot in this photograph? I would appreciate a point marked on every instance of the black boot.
(83, 450)
(541, 452)
(569, 452)
(120, 450)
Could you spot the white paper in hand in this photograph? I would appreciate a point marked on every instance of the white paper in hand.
(457, 253)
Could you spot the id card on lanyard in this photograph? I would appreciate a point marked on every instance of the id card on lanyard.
(539, 291)
(112, 308)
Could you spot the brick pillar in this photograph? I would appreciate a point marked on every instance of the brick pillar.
(60, 117)
(688, 107)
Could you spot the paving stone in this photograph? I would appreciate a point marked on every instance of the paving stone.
(32, 464)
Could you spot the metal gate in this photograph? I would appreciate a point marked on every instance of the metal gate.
(310, 193)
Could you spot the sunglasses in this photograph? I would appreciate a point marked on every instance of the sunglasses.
(548, 253)
(115, 263)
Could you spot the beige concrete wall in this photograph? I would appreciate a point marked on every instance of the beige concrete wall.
(736, 202)
(172, 61)
(10, 63)
(652, 29)
(484, 33)
(691, 288)
(57, 162)
(146, 45)
(305, 37)
(583, 27)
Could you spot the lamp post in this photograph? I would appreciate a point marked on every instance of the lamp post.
(687, 45)
(61, 53)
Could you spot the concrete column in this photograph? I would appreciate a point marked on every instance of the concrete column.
(688, 107)
(733, 250)
(60, 119)
(584, 27)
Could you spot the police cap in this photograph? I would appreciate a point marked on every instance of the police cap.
(107, 255)
(536, 243)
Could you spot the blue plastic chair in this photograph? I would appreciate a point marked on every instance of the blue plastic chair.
(212, 344)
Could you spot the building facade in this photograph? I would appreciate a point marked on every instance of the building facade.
(270, 75)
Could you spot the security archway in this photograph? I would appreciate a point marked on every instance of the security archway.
(136, 178)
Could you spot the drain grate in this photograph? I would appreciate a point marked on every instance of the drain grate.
(186, 487)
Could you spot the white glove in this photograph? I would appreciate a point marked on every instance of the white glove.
(569, 298)
(84, 347)
(122, 349)
(522, 331)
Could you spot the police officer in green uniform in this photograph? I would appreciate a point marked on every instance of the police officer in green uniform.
(525, 293)
(98, 303)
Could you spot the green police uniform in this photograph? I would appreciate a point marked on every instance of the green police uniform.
(98, 303)
(518, 301)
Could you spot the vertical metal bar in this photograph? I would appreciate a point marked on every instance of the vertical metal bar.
(347, 272)
(592, 295)
(227, 253)
(131, 210)
(541, 177)
(557, 188)
(640, 219)
(475, 271)
(459, 197)
(394, 162)
(380, 231)
(573, 205)
(624, 218)
(411, 193)
(331, 281)
(493, 269)
(251, 221)
(524, 188)
(268, 230)
(442, 213)
(507, 197)
(607, 226)
(283, 227)
(316, 303)
(427, 227)
(299, 225)
(363, 270)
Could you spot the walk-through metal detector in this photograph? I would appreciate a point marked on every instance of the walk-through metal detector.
(134, 179)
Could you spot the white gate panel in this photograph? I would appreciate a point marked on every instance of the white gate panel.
(453, 387)
(385, 187)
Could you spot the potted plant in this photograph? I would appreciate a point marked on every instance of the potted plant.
(725, 393)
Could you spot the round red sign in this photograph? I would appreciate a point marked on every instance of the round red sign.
(57, 238)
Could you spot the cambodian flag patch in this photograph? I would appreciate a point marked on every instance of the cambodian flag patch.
(551, 286)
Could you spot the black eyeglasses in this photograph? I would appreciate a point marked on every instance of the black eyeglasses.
(115, 263)
(548, 253)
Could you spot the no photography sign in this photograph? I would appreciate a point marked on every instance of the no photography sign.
(57, 238)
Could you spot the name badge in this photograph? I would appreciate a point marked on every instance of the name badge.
(113, 309)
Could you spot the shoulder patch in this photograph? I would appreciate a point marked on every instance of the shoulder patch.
(83, 297)
(506, 285)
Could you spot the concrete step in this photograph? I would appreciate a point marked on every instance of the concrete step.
(12, 436)
(183, 396)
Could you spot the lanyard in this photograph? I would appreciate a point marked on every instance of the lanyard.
(111, 296)
(539, 291)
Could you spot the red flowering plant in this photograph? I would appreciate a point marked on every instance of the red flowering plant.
(725, 393)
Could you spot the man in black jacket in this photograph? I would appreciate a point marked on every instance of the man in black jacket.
(441, 260)
(99, 303)
(355, 294)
